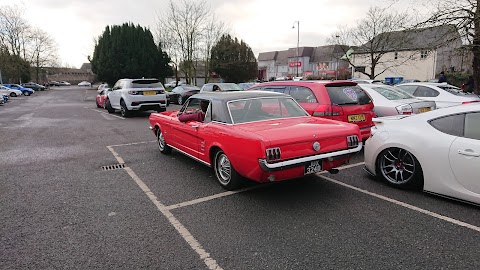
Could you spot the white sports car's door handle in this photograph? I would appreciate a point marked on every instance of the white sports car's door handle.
(468, 153)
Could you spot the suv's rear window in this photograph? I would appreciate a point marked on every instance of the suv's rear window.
(347, 95)
(146, 84)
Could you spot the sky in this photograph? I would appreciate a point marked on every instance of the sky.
(265, 25)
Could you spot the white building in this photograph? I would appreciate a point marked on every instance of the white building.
(412, 54)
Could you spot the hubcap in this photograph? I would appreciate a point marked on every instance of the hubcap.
(180, 101)
(223, 169)
(160, 140)
(397, 166)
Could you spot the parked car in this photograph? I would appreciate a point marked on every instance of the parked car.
(25, 91)
(4, 97)
(443, 94)
(181, 93)
(366, 81)
(389, 100)
(54, 83)
(129, 95)
(409, 81)
(337, 100)
(102, 98)
(34, 86)
(10, 92)
(102, 87)
(63, 83)
(173, 84)
(2, 101)
(437, 151)
(211, 87)
(246, 85)
(85, 83)
(258, 135)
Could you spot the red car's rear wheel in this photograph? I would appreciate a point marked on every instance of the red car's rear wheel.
(227, 176)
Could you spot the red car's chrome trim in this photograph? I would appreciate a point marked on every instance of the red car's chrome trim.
(299, 161)
(190, 156)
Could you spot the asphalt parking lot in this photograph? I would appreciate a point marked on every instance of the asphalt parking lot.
(60, 209)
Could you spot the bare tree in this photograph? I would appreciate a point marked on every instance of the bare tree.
(42, 51)
(13, 29)
(374, 36)
(187, 31)
(465, 15)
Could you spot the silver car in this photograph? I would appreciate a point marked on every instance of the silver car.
(391, 101)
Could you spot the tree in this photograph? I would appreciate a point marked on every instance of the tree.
(374, 36)
(42, 51)
(14, 69)
(127, 51)
(187, 30)
(13, 29)
(233, 60)
(465, 15)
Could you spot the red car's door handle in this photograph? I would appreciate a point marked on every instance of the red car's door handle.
(468, 153)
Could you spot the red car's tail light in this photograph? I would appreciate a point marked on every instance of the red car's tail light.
(327, 110)
(468, 102)
(273, 154)
(352, 141)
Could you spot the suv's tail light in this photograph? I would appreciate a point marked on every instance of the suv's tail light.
(160, 91)
(352, 141)
(273, 154)
(404, 109)
(134, 92)
(328, 110)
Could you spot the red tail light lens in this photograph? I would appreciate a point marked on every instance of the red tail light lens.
(468, 102)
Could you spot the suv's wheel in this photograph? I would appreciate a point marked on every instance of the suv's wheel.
(180, 100)
(109, 107)
(162, 146)
(123, 109)
(227, 176)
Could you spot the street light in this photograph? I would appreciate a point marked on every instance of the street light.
(298, 41)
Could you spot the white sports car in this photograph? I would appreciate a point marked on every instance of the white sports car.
(438, 151)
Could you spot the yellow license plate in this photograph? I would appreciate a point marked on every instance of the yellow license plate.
(426, 109)
(356, 118)
(149, 93)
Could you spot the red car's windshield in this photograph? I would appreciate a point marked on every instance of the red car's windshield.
(258, 109)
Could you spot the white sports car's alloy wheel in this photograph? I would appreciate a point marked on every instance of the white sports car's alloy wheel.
(160, 140)
(397, 166)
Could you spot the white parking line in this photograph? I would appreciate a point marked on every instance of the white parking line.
(108, 114)
(345, 167)
(406, 205)
(182, 230)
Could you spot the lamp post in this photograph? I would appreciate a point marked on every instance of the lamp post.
(298, 41)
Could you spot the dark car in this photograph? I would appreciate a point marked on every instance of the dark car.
(181, 93)
(34, 86)
(54, 83)
(337, 100)
(221, 87)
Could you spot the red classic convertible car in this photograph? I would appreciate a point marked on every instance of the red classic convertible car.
(262, 136)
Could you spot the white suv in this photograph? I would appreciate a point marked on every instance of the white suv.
(129, 95)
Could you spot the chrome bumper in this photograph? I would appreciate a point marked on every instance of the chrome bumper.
(268, 167)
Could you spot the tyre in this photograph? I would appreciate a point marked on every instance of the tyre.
(26, 93)
(226, 175)
(13, 94)
(123, 109)
(399, 168)
(109, 107)
(162, 146)
(180, 100)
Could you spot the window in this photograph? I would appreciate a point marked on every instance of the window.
(302, 94)
(407, 88)
(391, 93)
(472, 126)
(275, 89)
(423, 54)
(258, 109)
(153, 83)
(348, 95)
(396, 55)
(452, 124)
(423, 91)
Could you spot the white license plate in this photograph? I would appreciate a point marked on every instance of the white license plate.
(313, 167)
